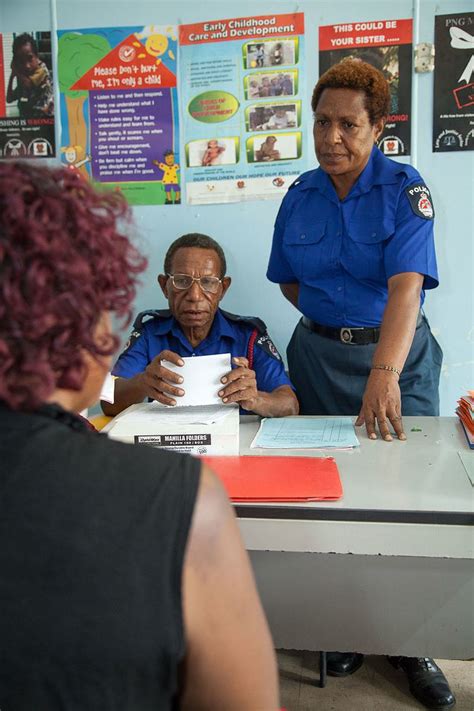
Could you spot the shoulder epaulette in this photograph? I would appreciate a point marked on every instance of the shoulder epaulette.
(259, 337)
(296, 182)
(252, 321)
(139, 323)
(301, 179)
(154, 313)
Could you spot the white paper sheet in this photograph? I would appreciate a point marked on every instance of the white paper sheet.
(153, 414)
(202, 379)
(108, 389)
(306, 433)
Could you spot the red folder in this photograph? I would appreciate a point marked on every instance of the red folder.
(465, 412)
(278, 478)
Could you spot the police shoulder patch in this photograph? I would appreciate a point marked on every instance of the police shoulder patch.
(266, 344)
(419, 198)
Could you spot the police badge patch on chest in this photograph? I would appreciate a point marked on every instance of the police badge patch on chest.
(265, 343)
(420, 200)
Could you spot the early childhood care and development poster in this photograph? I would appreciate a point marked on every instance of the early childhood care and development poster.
(242, 86)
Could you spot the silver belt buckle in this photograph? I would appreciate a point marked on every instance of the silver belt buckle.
(345, 334)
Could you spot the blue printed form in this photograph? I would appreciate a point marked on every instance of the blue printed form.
(306, 433)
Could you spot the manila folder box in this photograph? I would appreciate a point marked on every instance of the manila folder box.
(210, 429)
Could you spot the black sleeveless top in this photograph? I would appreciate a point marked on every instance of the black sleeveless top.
(92, 540)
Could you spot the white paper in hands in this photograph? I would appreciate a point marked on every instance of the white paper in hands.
(108, 389)
(202, 378)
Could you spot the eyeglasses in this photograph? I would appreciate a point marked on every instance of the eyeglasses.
(209, 284)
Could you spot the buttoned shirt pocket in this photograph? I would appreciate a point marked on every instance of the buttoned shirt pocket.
(363, 255)
(302, 246)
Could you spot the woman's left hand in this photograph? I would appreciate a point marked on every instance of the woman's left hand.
(382, 403)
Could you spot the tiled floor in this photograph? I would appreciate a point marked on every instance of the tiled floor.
(377, 686)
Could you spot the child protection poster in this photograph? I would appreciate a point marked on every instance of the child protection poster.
(242, 85)
(387, 45)
(119, 110)
(26, 95)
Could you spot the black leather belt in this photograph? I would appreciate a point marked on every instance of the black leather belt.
(355, 336)
(351, 336)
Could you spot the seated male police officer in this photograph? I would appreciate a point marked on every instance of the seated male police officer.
(194, 283)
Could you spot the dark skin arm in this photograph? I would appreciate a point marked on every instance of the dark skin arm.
(382, 401)
(229, 662)
(241, 387)
(12, 94)
(291, 292)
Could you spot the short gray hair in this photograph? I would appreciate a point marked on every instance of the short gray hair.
(195, 239)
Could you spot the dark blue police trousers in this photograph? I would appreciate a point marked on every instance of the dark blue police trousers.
(330, 376)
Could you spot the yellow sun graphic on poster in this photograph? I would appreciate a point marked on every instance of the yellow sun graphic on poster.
(156, 43)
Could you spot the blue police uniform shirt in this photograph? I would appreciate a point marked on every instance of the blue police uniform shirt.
(228, 334)
(342, 252)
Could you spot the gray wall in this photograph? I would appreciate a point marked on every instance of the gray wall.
(245, 230)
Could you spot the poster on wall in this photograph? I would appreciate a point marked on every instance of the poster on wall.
(26, 95)
(453, 111)
(119, 110)
(242, 98)
(387, 45)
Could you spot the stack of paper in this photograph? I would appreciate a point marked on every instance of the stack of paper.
(201, 379)
(465, 412)
(108, 389)
(211, 429)
(199, 423)
(306, 433)
(266, 479)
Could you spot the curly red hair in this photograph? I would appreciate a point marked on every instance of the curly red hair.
(360, 76)
(64, 259)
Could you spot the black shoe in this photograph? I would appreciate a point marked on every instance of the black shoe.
(343, 663)
(427, 682)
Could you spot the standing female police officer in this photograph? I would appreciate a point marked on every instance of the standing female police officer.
(353, 250)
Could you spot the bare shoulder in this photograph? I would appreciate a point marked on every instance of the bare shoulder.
(211, 514)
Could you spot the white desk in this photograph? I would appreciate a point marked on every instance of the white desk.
(388, 569)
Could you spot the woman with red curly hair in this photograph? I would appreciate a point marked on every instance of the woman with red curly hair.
(353, 251)
(124, 581)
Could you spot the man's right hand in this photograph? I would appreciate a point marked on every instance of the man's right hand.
(159, 383)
